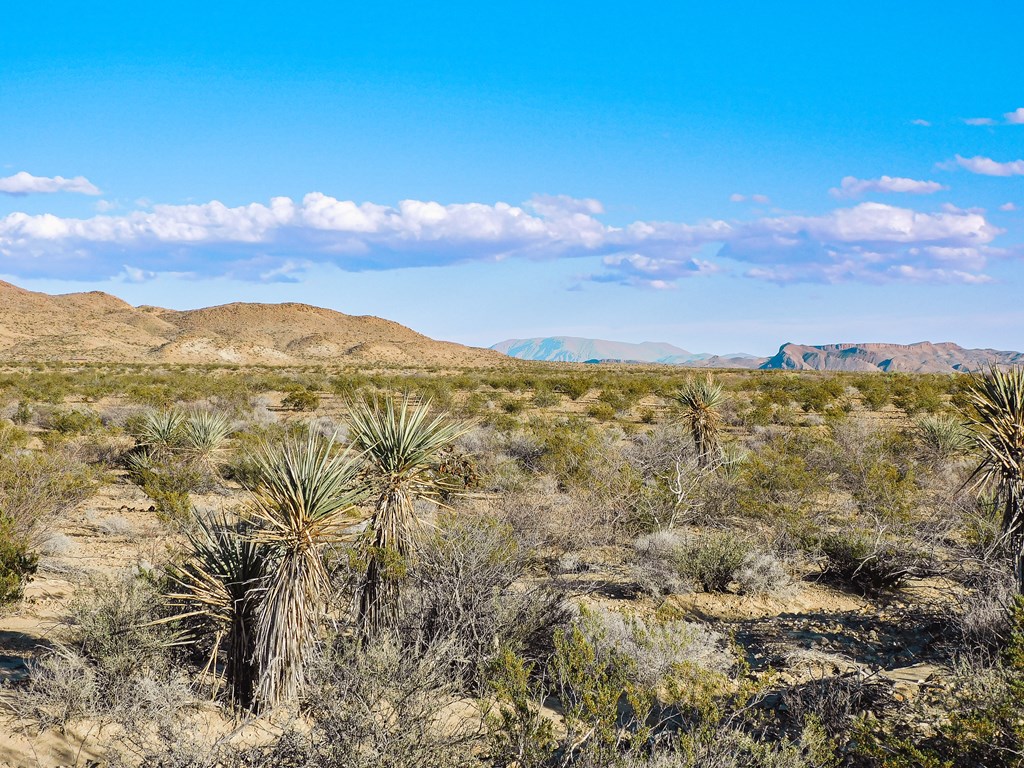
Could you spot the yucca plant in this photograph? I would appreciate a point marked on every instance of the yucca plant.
(161, 430)
(204, 434)
(217, 591)
(304, 499)
(701, 399)
(402, 444)
(942, 437)
(998, 427)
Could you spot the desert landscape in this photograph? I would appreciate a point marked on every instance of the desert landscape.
(452, 557)
(533, 385)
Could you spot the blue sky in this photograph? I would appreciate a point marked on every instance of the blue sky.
(726, 176)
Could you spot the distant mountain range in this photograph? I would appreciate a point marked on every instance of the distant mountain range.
(99, 327)
(922, 357)
(573, 349)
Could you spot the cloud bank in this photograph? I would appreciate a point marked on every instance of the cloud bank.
(851, 186)
(23, 183)
(868, 242)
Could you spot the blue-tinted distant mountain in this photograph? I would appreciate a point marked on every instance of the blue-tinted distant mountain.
(573, 349)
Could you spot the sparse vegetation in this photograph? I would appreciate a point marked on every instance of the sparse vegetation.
(600, 573)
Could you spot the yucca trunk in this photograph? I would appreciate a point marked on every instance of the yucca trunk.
(380, 591)
(289, 622)
(705, 440)
(1013, 530)
(239, 659)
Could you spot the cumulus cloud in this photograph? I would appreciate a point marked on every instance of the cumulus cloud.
(869, 242)
(851, 186)
(919, 121)
(281, 239)
(986, 166)
(1016, 117)
(979, 121)
(1008, 207)
(23, 183)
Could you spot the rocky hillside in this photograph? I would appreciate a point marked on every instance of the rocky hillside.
(99, 327)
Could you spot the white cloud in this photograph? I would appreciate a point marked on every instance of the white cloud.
(130, 274)
(979, 121)
(653, 272)
(23, 183)
(924, 274)
(1008, 207)
(851, 186)
(863, 243)
(919, 121)
(736, 197)
(105, 206)
(986, 166)
(1016, 117)
(281, 239)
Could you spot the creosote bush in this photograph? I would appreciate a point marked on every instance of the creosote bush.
(34, 489)
(115, 665)
(301, 400)
(870, 561)
(668, 562)
(466, 593)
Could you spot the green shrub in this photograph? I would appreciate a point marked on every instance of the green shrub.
(11, 437)
(169, 481)
(780, 480)
(23, 413)
(870, 561)
(601, 411)
(619, 399)
(820, 393)
(74, 422)
(513, 405)
(874, 390)
(518, 733)
(914, 394)
(17, 561)
(240, 464)
(36, 486)
(573, 387)
(301, 400)
(712, 560)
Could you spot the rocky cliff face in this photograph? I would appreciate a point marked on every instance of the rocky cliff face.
(923, 357)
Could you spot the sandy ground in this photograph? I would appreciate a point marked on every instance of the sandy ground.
(106, 535)
(817, 630)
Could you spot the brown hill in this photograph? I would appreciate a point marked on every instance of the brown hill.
(99, 327)
(923, 357)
